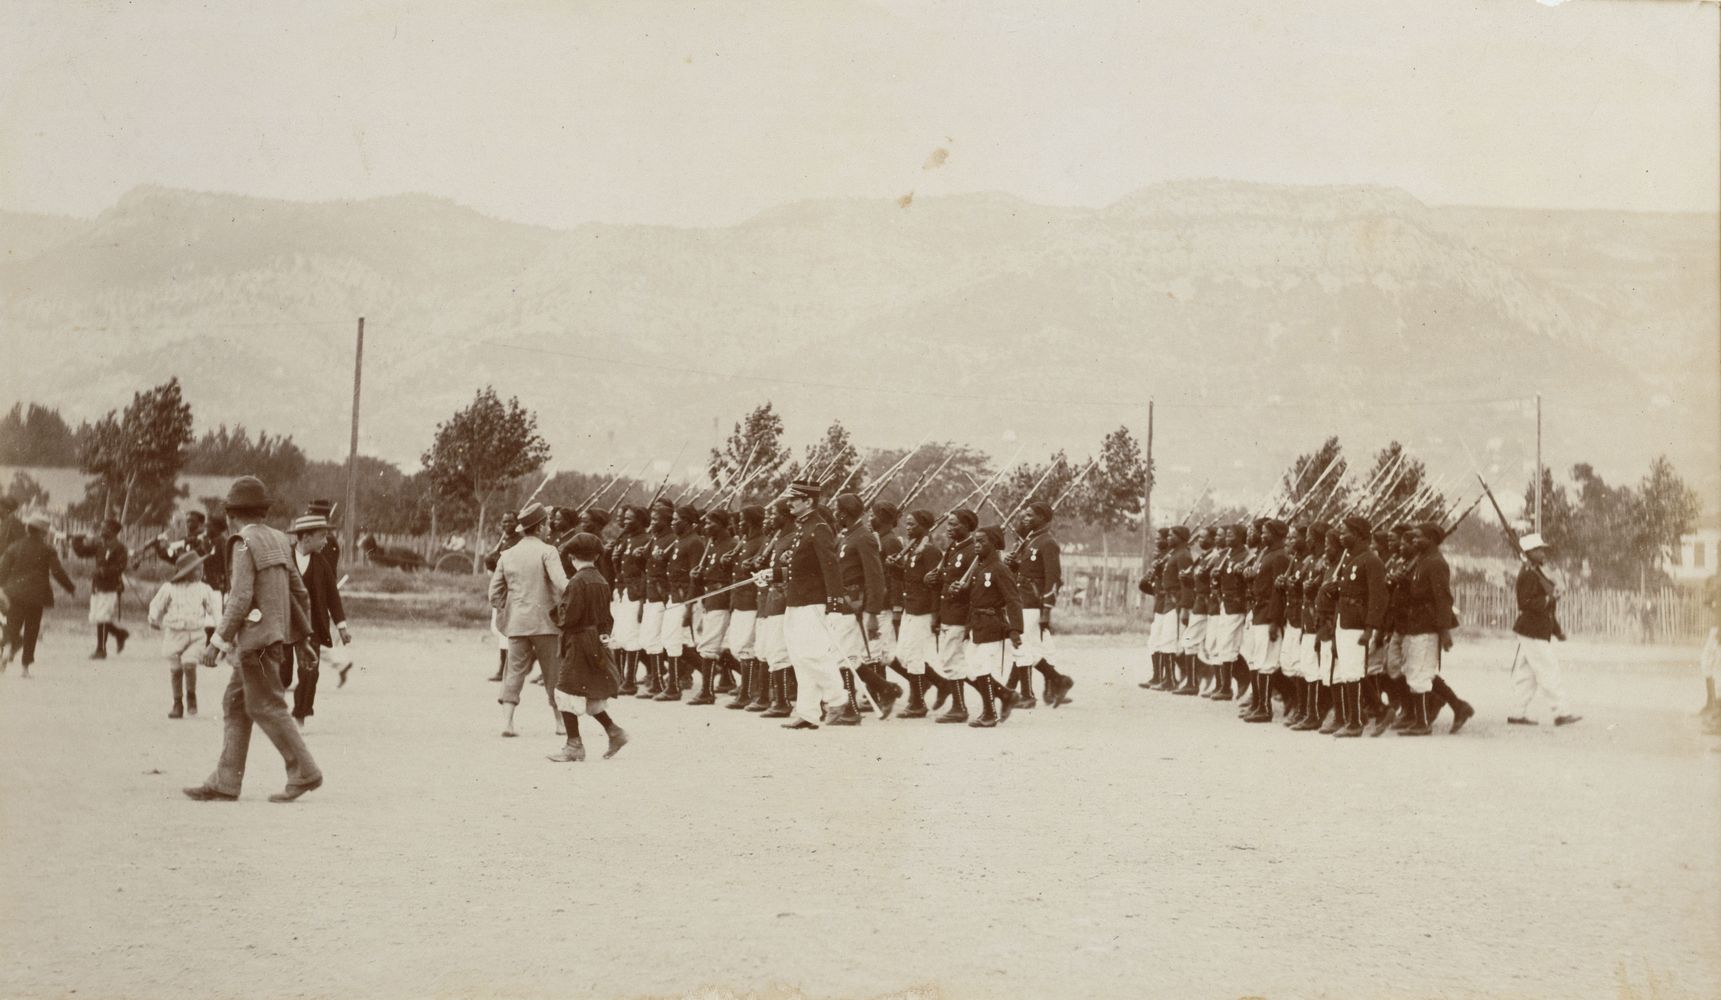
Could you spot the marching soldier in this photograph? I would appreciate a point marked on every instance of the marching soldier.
(684, 553)
(739, 639)
(857, 632)
(1267, 618)
(1038, 568)
(770, 570)
(631, 551)
(884, 518)
(1227, 616)
(1361, 614)
(952, 613)
(713, 571)
(917, 642)
(651, 621)
(1427, 625)
(1537, 668)
(813, 589)
(994, 615)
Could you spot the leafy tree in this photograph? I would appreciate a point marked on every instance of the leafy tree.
(759, 437)
(26, 491)
(37, 436)
(1023, 479)
(274, 459)
(389, 500)
(1112, 491)
(1670, 508)
(1397, 480)
(136, 457)
(835, 460)
(477, 455)
(1312, 488)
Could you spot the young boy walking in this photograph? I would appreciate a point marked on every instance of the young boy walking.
(185, 609)
(588, 675)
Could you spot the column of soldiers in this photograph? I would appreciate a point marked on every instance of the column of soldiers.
(1341, 624)
(821, 615)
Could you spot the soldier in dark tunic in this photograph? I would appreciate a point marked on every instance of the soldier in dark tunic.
(26, 567)
(107, 585)
(588, 678)
(994, 616)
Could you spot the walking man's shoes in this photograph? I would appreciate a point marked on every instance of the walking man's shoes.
(203, 793)
(1461, 714)
(1566, 720)
(1518, 720)
(618, 739)
(569, 753)
(342, 674)
(292, 792)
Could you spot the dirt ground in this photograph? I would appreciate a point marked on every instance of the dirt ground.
(1128, 845)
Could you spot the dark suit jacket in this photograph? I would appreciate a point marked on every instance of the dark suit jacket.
(24, 571)
(325, 598)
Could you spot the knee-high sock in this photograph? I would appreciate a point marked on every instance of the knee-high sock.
(571, 723)
(178, 685)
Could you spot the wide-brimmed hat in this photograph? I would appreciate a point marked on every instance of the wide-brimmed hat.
(38, 520)
(532, 516)
(308, 523)
(185, 564)
(1532, 541)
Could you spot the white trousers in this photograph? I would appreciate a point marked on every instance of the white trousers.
(950, 663)
(915, 645)
(1537, 668)
(1224, 639)
(1163, 637)
(850, 640)
(712, 626)
(815, 660)
(738, 637)
(1036, 644)
(1291, 652)
(1420, 660)
(626, 634)
(768, 636)
(676, 636)
(1266, 651)
(651, 627)
(1351, 661)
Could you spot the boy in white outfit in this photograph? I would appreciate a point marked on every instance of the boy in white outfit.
(185, 609)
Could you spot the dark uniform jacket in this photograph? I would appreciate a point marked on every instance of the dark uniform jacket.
(11, 530)
(634, 550)
(1311, 576)
(953, 599)
(1290, 596)
(1182, 570)
(775, 557)
(741, 566)
(1362, 592)
(1267, 604)
(110, 558)
(1327, 597)
(1037, 565)
(325, 598)
(716, 569)
(890, 545)
(917, 561)
(683, 556)
(25, 569)
(994, 602)
(1537, 606)
(658, 551)
(862, 568)
(812, 575)
(1427, 596)
(1230, 583)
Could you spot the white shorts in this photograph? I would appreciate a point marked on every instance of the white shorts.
(1162, 637)
(1421, 661)
(104, 607)
(849, 640)
(1266, 658)
(768, 636)
(1352, 659)
(884, 647)
(915, 646)
(950, 663)
(1224, 639)
(712, 625)
(1194, 636)
(1310, 661)
(176, 643)
(615, 616)
(1036, 644)
(989, 658)
(1291, 652)
(738, 637)
(651, 627)
(1395, 655)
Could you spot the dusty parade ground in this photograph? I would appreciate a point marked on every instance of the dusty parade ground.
(1128, 845)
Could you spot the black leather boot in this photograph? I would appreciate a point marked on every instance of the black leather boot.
(958, 711)
(845, 712)
(707, 695)
(916, 698)
(779, 695)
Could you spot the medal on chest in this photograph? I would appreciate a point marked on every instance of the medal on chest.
(986, 580)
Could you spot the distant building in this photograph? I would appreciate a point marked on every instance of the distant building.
(1697, 556)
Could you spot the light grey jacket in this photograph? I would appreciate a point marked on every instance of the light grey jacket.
(527, 583)
(266, 600)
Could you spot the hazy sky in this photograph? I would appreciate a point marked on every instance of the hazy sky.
(703, 113)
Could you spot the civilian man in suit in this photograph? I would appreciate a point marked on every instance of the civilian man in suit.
(26, 567)
(527, 584)
(310, 554)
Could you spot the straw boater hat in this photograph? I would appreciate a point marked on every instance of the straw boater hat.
(306, 524)
(1532, 541)
(184, 565)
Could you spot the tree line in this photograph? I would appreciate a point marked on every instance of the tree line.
(489, 456)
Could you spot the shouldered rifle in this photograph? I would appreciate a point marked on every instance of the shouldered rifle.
(1070, 490)
(667, 473)
(1512, 536)
(1028, 497)
(925, 480)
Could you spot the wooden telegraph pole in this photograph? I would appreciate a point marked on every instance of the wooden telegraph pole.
(349, 523)
(1538, 463)
(1147, 498)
